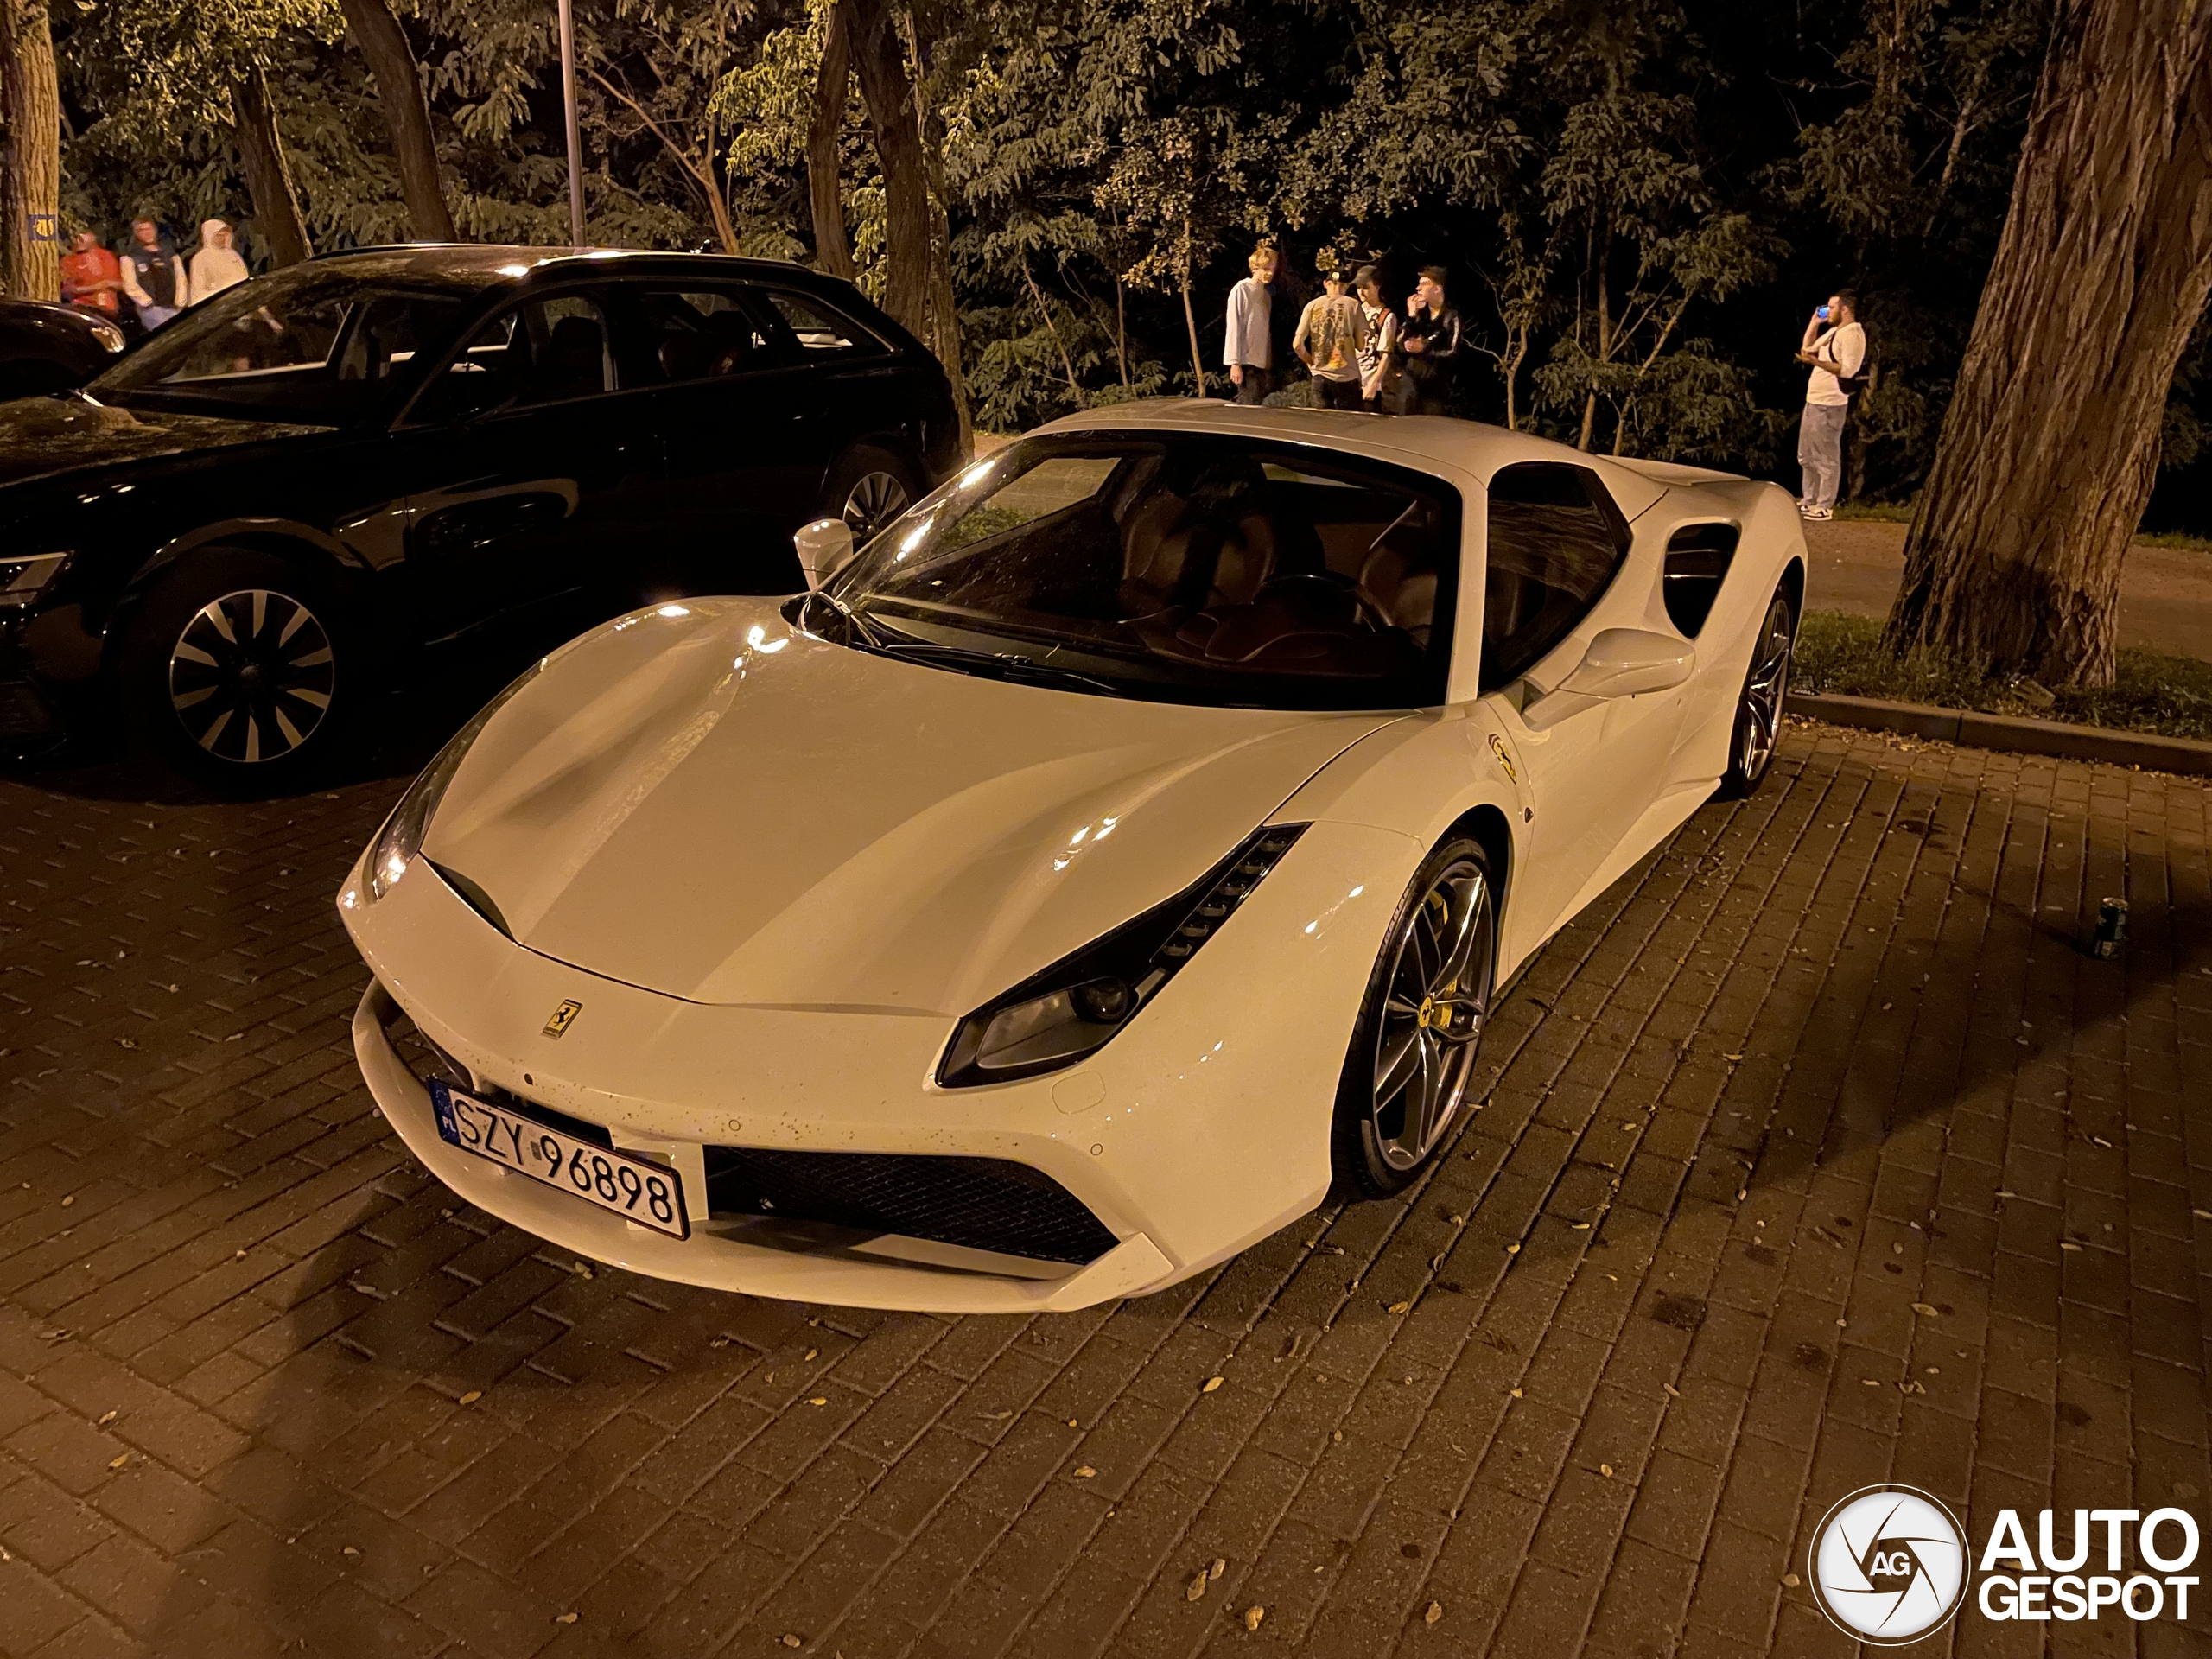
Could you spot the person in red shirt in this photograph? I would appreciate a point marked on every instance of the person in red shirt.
(91, 277)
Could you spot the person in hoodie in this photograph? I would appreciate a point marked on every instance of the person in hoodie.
(217, 264)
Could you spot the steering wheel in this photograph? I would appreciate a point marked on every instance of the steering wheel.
(1367, 611)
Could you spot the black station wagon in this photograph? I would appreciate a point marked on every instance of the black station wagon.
(233, 534)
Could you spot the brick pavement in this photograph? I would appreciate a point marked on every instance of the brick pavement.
(265, 1387)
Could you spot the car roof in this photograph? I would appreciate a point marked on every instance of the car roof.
(1427, 442)
(486, 264)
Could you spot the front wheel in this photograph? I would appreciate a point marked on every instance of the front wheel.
(1413, 1051)
(1758, 711)
(238, 670)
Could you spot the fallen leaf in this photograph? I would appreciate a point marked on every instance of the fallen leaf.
(2067, 1244)
(1198, 1586)
(1516, 1393)
(1792, 1580)
(1435, 1611)
(1085, 1472)
(107, 1417)
(1401, 1307)
(118, 1461)
(1582, 1226)
(719, 1342)
(1732, 1057)
(790, 1641)
(349, 1550)
(1671, 1390)
(1218, 1567)
(1253, 1616)
(582, 1270)
(811, 1353)
(1073, 1424)
(1869, 1382)
(997, 1416)
(1212, 1383)
(564, 1618)
(2202, 1215)
(1336, 1434)
(819, 1400)
(1924, 1310)
(68, 1200)
(471, 1396)
(1607, 1470)
(1513, 1249)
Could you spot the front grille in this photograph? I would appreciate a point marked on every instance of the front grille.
(985, 1204)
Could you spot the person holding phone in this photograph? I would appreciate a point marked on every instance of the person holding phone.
(1835, 346)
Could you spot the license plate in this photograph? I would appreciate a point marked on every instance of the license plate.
(647, 1193)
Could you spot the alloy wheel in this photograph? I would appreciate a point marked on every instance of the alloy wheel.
(872, 503)
(1437, 1000)
(251, 675)
(1758, 723)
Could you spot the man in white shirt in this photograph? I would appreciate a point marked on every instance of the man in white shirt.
(1835, 346)
(1247, 351)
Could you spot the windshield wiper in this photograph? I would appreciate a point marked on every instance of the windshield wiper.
(998, 664)
(868, 636)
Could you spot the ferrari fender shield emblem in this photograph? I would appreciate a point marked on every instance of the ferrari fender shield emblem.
(564, 1017)
(1505, 758)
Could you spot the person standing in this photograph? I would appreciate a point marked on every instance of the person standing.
(1835, 346)
(1380, 362)
(1247, 351)
(1432, 336)
(92, 280)
(154, 275)
(1331, 331)
(217, 264)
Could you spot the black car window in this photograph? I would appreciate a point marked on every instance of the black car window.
(1176, 567)
(815, 332)
(543, 351)
(1557, 541)
(695, 333)
(319, 351)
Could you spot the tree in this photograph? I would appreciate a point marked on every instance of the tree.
(268, 174)
(399, 85)
(30, 150)
(2050, 445)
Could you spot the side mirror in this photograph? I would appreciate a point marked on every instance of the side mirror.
(823, 546)
(1620, 663)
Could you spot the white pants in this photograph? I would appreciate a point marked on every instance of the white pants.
(1819, 452)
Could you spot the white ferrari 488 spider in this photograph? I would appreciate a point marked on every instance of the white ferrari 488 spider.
(1122, 848)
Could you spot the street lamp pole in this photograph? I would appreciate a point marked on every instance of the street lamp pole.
(575, 138)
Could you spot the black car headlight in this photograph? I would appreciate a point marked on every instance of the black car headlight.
(1072, 1009)
(392, 853)
(25, 576)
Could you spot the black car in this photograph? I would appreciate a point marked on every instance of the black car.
(52, 347)
(233, 535)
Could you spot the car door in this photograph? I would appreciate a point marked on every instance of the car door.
(1556, 573)
(541, 487)
(743, 431)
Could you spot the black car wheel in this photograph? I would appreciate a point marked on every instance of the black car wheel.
(868, 488)
(237, 668)
(1758, 710)
(1428, 1001)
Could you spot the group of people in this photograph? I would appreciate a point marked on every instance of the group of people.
(1361, 354)
(148, 274)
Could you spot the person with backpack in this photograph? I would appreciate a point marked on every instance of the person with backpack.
(1835, 346)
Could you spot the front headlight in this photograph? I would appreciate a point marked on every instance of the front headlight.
(392, 853)
(1073, 1008)
(108, 335)
(25, 576)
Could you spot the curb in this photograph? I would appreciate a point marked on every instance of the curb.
(2009, 734)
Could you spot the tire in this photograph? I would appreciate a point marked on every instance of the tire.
(241, 670)
(868, 487)
(1758, 724)
(1442, 948)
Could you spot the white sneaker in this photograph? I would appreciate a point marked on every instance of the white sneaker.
(1817, 515)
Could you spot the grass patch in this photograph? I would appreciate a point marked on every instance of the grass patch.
(2176, 539)
(1890, 513)
(1843, 655)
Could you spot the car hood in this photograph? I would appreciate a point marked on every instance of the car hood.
(41, 436)
(703, 801)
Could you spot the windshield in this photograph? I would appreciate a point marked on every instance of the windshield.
(1183, 567)
(314, 345)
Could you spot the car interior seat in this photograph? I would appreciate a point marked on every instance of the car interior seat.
(574, 364)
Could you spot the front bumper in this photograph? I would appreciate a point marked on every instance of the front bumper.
(1201, 1129)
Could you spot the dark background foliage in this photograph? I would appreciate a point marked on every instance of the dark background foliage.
(1640, 201)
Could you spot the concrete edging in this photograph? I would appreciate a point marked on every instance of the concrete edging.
(2008, 734)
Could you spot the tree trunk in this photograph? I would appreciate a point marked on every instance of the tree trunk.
(881, 57)
(30, 152)
(268, 176)
(2050, 444)
(399, 89)
(833, 249)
